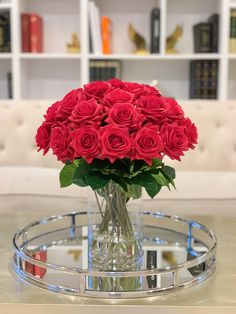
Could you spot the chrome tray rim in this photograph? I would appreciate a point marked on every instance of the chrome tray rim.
(20, 255)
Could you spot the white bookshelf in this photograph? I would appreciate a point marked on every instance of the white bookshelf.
(51, 74)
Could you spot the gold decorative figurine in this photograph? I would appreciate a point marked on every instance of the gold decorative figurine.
(138, 40)
(74, 45)
(172, 40)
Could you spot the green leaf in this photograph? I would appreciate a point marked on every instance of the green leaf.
(161, 179)
(119, 180)
(80, 175)
(134, 191)
(157, 163)
(98, 164)
(121, 165)
(97, 180)
(67, 174)
(169, 171)
(146, 180)
(138, 165)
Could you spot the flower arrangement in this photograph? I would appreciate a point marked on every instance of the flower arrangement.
(116, 131)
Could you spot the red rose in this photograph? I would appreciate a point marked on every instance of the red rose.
(116, 83)
(60, 143)
(147, 145)
(42, 138)
(174, 139)
(68, 103)
(86, 143)
(124, 115)
(116, 143)
(50, 116)
(97, 88)
(174, 111)
(135, 88)
(153, 108)
(118, 96)
(190, 131)
(86, 112)
(151, 90)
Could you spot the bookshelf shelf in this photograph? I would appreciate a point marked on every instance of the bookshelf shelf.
(4, 56)
(150, 57)
(53, 56)
(5, 6)
(56, 71)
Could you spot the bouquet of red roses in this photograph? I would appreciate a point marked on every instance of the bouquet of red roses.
(117, 131)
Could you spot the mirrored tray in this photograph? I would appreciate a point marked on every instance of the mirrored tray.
(53, 254)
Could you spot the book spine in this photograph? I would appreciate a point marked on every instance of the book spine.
(106, 26)
(9, 85)
(5, 36)
(36, 33)
(214, 20)
(203, 37)
(232, 41)
(25, 32)
(155, 30)
(205, 79)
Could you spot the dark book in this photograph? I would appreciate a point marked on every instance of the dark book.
(5, 33)
(202, 37)
(104, 70)
(9, 85)
(203, 79)
(232, 39)
(214, 20)
(152, 264)
(155, 30)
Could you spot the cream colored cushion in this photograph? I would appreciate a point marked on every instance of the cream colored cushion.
(44, 181)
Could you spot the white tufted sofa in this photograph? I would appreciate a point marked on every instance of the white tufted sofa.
(206, 173)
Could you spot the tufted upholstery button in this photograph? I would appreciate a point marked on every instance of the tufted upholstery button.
(201, 148)
(19, 122)
(199, 107)
(218, 124)
(2, 146)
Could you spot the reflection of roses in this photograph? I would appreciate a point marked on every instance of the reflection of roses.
(147, 145)
(175, 140)
(86, 143)
(124, 115)
(116, 143)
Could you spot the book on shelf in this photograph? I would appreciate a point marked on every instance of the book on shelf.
(5, 32)
(155, 30)
(106, 27)
(232, 39)
(203, 79)
(32, 32)
(95, 28)
(104, 69)
(9, 85)
(206, 35)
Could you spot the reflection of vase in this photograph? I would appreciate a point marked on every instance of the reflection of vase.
(116, 243)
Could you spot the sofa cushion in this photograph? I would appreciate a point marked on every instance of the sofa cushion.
(45, 181)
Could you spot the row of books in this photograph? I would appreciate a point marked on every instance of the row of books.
(232, 36)
(104, 69)
(203, 79)
(31, 32)
(206, 35)
(5, 33)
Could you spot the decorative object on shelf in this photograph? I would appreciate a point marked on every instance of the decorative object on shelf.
(232, 39)
(204, 79)
(155, 30)
(172, 40)
(9, 85)
(103, 70)
(138, 40)
(74, 45)
(5, 33)
(112, 136)
(31, 33)
(206, 35)
(106, 28)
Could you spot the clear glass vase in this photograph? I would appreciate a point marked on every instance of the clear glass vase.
(115, 244)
